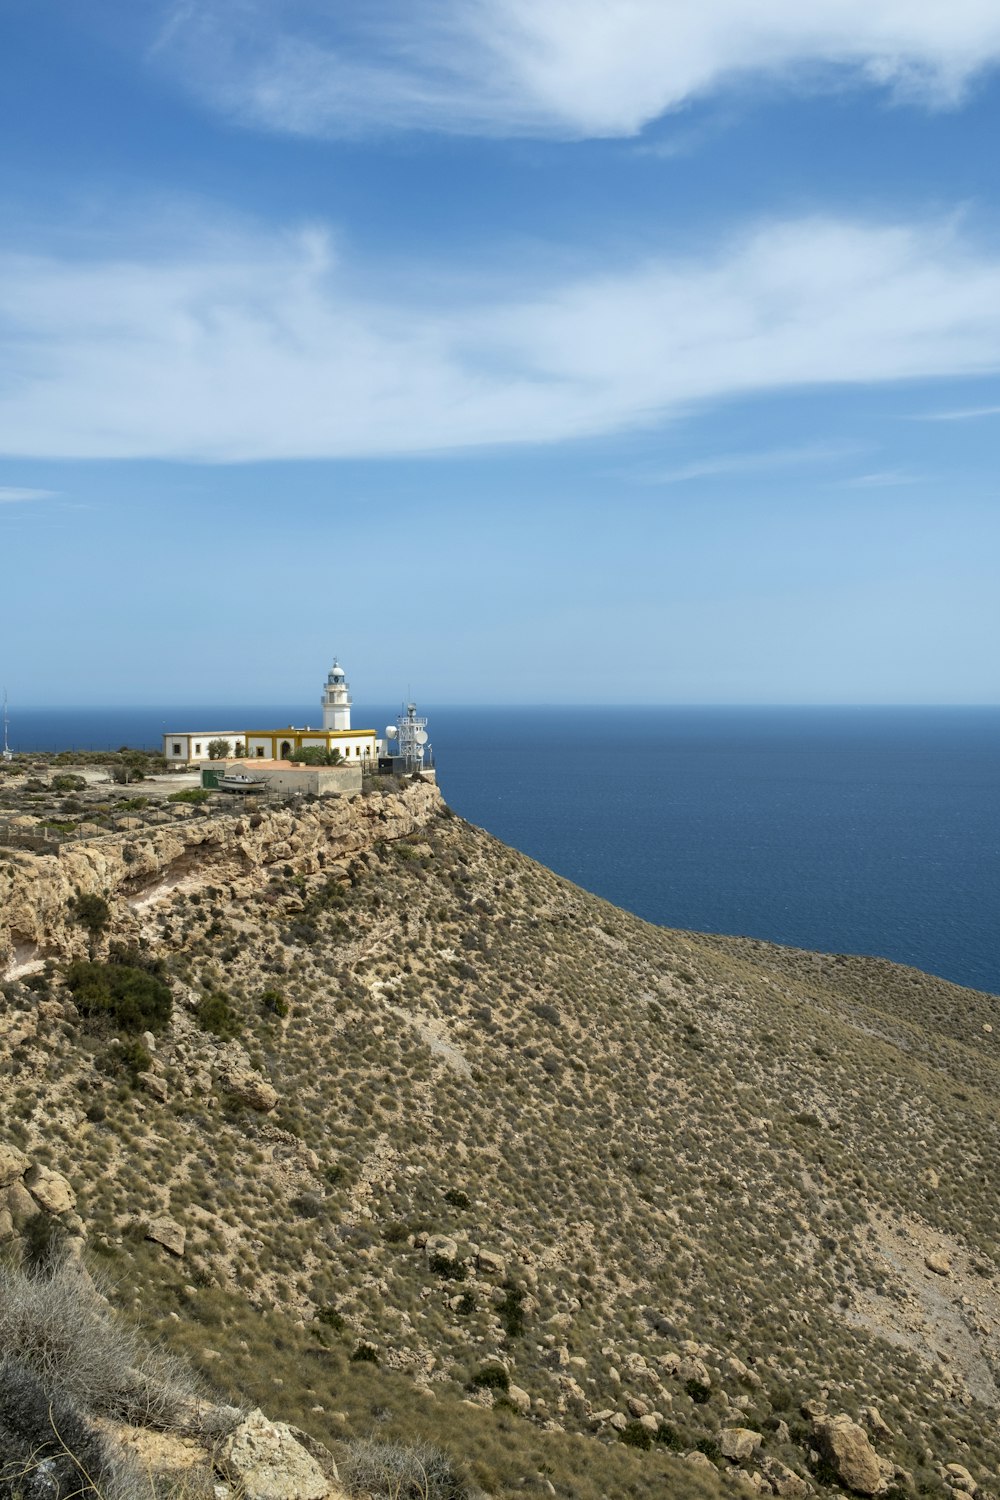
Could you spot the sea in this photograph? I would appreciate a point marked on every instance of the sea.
(848, 830)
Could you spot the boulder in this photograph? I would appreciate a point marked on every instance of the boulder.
(519, 1398)
(785, 1481)
(958, 1477)
(13, 1164)
(166, 1232)
(155, 1086)
(50, 1190)
(939, 1263)
(250, 1088)
(871, 1417)
(441, 1247)
(19, 1204)
(266, 1462)
(692, 1368)
(490, 1263)
(846, 1448)
(738, 1442)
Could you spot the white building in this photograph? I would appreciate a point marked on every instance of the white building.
(192, 744)
(355, 745)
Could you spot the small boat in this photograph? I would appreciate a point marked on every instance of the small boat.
(239, 781)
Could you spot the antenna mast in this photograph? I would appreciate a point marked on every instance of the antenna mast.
(7, 753)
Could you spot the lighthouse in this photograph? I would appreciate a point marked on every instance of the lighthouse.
(336, 699)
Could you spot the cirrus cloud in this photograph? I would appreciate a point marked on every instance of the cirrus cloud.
(566, 68)
(266, 347)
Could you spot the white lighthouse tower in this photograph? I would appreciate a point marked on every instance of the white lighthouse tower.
(336, 699)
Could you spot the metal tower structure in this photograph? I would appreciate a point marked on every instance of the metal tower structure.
(7, 753)
(410, 734)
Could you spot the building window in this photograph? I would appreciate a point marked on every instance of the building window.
(197, 749)
(177, 747)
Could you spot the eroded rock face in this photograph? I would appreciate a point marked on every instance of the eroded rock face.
(852, 1458)
(50, 1190)
(267, 1463)
(250, 1088)
(13, 1164)
(36, 892)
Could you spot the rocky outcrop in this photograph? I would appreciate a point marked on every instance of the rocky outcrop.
(166, 1232)
(266, 1462)
(28, 1190)
(845, 1447)
(36, 890)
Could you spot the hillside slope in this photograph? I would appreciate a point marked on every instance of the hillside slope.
(462, 1115)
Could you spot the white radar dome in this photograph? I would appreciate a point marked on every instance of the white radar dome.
(391, 731)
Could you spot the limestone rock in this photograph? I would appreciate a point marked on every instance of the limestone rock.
(649, 1423)
(739, 1442)
(939, 1263)
(166, 1232)
(692, 1368)
(959, 1478)
(872, 1418)
(846, 1448)
(519, 1398)
(6, 1225)
(441, 1247)
(155, 1086)
(250, 1088)
(13, 1164)
(267, 1463)
(785, 1481)
(20, 1204)
(50, 1189)
(698, 1460)
(490, 1263)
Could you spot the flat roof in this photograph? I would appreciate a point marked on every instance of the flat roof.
(325, 733)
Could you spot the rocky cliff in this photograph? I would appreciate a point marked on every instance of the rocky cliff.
(133, 872)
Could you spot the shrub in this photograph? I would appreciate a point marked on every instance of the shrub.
(457, 1198)
(215, 1014)
(57, 1326)
(449, 1270)
(65, 783)
(636, 1436)
(196, 794)
(511, 1311)
(93, 913)
(491, 1377)
(392, 1471)
(50, 1451)
(133, 998)
(274, 1002)
(364, 1354)
(218, 749)
(698, 1392)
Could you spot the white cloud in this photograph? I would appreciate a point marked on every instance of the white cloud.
(966, 414)
(12, 494)
(263, 347)
(765, 461)
(561, 67)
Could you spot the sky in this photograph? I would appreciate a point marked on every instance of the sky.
(515, 352)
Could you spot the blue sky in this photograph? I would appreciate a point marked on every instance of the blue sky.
(514, 352)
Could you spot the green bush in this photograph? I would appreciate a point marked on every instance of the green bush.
(491, 1377)
(274, 1002)
(132, 998)
(457, 1198)
(64, 783)
(364, 1354)
(636, 1436)
(215, 1014)
(196, 794)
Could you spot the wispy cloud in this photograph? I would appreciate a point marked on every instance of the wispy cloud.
(768, 460)
(566, 67)
(13, 494)
(966, 414)
(879, 479)
(257, 346)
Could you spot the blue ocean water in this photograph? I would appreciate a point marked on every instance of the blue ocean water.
(847, 830)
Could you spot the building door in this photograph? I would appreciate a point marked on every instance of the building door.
(286, 750)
